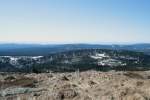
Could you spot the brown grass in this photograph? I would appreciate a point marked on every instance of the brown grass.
(21, 82)
(133, 75)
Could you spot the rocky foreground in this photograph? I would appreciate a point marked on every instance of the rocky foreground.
(89, 85)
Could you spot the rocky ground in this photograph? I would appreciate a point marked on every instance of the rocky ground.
(89, 85)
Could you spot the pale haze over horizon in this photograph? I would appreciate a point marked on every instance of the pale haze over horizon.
(74, 21)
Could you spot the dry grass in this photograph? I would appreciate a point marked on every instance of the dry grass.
(21, 82)
(90, 85)
(133, 75)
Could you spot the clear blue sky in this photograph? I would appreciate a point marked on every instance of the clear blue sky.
(75, 21)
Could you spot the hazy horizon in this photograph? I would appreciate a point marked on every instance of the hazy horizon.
(75, 21)
(53, 43)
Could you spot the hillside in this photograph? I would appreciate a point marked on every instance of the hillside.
(88, 85)
(43, 50)
(85, 59)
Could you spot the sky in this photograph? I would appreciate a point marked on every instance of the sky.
(75, 21)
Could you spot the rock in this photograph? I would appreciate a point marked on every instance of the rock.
(136, 96)
(15, 91)
(66, 94)
(10, 78)
(91, 83)
(64, 78)
(87, 98)
(139, 83)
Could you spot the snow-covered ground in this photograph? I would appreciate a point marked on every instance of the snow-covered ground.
(99, 56)
(106, 60)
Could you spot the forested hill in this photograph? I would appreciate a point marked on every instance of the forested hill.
(43, 50)
(72, 60)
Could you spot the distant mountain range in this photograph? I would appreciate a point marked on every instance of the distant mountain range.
(42, 50)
